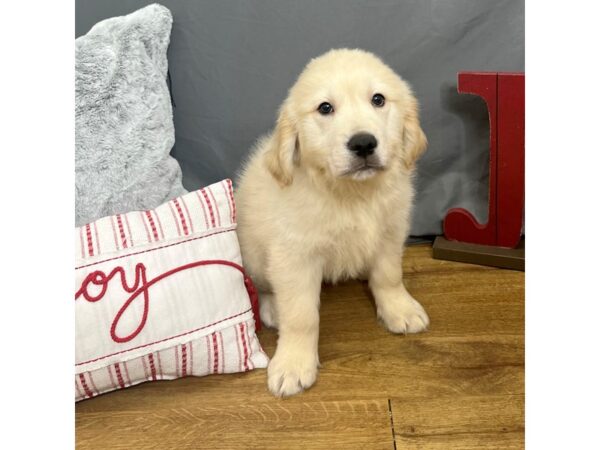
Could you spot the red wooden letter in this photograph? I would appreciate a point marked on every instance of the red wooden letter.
(511, 158)
(504, 95)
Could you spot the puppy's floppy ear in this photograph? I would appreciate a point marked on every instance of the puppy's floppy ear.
(414, 139)
(280, 154)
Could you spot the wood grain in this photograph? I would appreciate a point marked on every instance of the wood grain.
(460, 385)
(468, 422)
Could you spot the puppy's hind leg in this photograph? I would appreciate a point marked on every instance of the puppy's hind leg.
(268, 314)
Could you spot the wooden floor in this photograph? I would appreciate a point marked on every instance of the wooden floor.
(460, 385)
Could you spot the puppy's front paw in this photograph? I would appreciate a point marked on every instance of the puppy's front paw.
(290, 373)
(403, 315)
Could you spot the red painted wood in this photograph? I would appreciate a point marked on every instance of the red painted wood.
(460, 224)
(511, 158)
(504, 94)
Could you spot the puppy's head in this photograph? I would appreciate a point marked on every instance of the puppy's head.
(348, 116)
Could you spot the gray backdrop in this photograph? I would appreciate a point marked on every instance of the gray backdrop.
(232, 62)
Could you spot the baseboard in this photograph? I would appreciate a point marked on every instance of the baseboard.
(485, 255)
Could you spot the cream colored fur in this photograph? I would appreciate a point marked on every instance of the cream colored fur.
(304, 217)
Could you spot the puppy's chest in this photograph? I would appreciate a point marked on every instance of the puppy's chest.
(349, 242)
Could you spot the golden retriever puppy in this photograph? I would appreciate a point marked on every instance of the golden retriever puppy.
(327, 196)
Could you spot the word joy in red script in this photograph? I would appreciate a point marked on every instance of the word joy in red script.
(140, 286)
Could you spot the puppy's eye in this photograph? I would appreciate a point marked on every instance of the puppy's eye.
(378, 100)
(325, 108)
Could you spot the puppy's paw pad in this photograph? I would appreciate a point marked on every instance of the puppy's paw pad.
(406, 316)
(289, 376)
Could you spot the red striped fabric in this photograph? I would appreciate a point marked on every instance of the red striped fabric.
(160, 227)
(175, 219)
(112, 224)
(210, 208)
(143, 218)
(121, 231)
(97, 238)
(230, 186)
(248, 341)
(119, 375)
(91, 377)
(160, 370)
(145, 367)
(152, 366)
(216, 205)
(245, 346)
(205, 214)
(112, 380)
(215, 353)
(203, 209)
(229, 206)
(187, 211)
(238, 339)
(152, 225)
(184, 224)
(88, 234)
(80, 394)
(86, 389)
(177, 362)
(131, 243)
(183, 360)
(127, 372)
(209, 365)
(222, 350)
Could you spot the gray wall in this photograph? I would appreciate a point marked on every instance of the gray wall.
(232, 62)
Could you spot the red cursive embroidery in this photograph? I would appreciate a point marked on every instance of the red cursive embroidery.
(141, 286)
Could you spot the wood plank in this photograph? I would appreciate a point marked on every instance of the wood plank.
(459, 422)
(467, 441)
(419, 368)
(275, 425)
(482, 302)
(445, 383)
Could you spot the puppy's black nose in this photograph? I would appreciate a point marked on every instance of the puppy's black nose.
(363, 144)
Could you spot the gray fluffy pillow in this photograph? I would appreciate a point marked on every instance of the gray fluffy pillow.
(123, 117)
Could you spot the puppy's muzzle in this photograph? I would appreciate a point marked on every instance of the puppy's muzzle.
(362, 144)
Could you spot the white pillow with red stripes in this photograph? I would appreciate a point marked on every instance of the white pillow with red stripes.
(162, 294)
